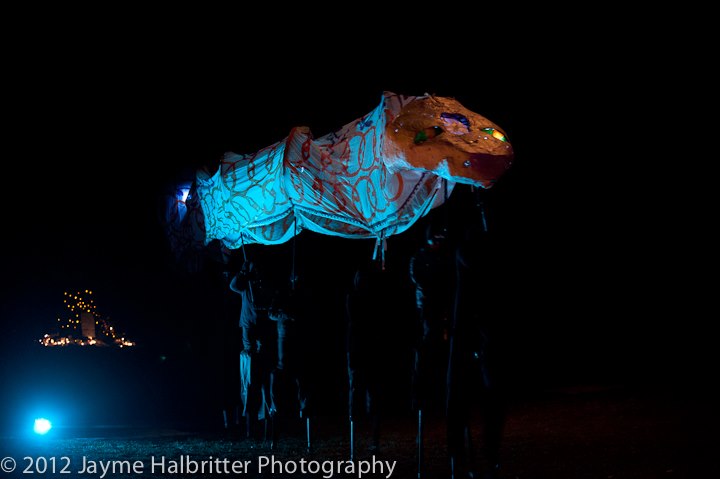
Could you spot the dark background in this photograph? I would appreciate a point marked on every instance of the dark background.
(598, 245)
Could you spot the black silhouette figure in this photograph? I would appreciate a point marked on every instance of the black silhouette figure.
(432, 272)
(289, 377)
(259, 344)
(366, 313)
(473, 375)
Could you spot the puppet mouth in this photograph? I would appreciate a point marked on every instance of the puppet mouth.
(486, 165)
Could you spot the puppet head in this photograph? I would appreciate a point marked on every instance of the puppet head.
(440, 135)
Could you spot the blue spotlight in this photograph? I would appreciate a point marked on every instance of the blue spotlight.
(42, 426)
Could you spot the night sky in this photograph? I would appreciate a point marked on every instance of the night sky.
(589, 289)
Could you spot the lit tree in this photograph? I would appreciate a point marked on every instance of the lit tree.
(81, 324)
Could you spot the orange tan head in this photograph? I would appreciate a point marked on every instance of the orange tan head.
(440, 135)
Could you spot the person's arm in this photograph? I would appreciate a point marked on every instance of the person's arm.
(238, 288)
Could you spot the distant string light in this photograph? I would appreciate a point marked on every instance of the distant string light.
(73, 331)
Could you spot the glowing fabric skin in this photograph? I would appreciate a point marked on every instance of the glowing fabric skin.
(373, 178)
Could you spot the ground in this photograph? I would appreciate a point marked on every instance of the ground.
(609, 432)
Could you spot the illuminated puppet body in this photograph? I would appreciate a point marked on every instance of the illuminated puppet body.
(371, 179)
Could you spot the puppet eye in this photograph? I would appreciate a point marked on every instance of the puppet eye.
(495, 133)
(427, 133)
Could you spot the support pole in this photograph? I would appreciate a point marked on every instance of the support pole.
(307, 429)
(352, 439)
(420, 444)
